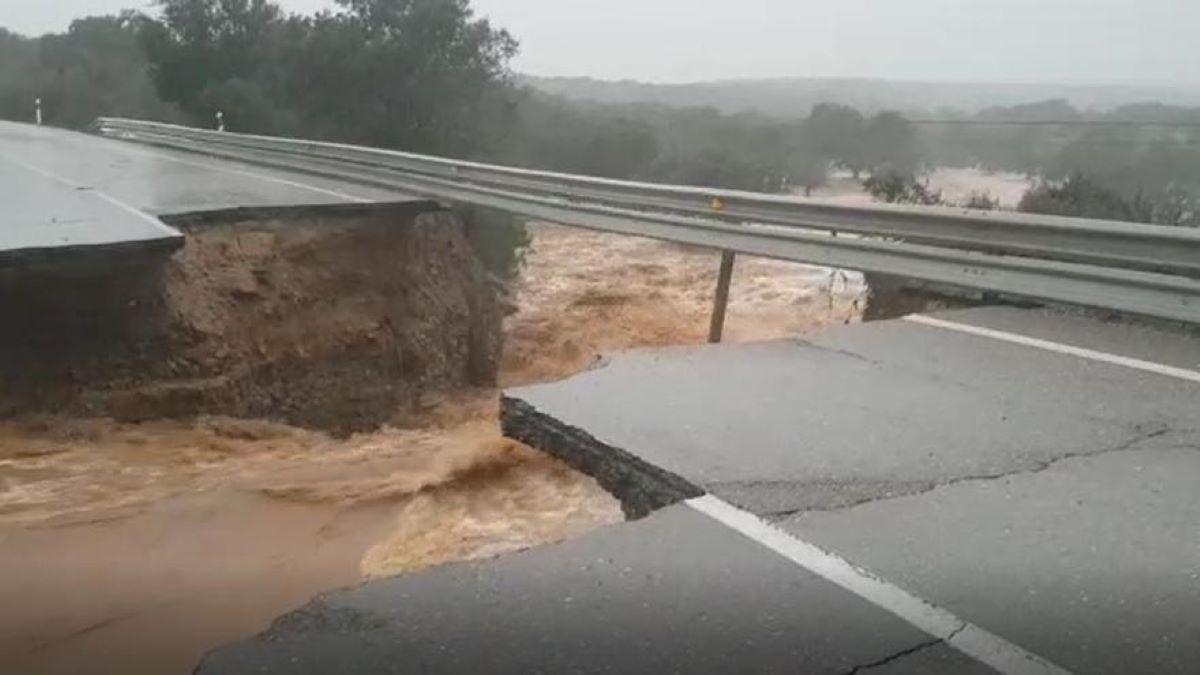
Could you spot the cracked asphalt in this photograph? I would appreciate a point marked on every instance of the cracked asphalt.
(1043, 497)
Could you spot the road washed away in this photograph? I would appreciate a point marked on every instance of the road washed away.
(137, 547)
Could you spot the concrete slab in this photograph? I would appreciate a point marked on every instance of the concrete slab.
(1093, 562)
(854, 414)
(675, 592)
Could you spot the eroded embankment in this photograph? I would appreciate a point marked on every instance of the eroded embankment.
(142, 522)
(325, 317)
(174, 536)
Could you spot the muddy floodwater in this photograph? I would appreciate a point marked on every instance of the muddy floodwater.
(130, 548)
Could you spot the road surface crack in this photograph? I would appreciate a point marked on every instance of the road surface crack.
(834, 350)
(920, 646)
(1038, 466)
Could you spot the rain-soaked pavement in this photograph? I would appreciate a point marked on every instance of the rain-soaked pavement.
(994, 486)
(64, 192)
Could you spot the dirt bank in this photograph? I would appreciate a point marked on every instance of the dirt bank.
(329, 317)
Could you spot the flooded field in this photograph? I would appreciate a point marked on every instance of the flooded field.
(956, 185)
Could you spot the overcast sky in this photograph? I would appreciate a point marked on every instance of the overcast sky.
(1058, 41)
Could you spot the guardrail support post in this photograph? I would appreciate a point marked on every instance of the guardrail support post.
(717, 326)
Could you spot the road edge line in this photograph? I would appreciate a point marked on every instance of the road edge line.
(99, 194)
(215, 163)
(975, 642)
(214, 166)
(1047, 345)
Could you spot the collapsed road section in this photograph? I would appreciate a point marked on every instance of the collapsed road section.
(141, 284)
(1026, 470)
(988, 489)
(331, 317)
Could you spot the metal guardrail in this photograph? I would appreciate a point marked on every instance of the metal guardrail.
(1142, 269)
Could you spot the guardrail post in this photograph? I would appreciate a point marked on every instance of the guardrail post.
(717, 327)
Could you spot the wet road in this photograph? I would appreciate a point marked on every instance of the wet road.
(1015, 488)
(675, 592)
(65, 191)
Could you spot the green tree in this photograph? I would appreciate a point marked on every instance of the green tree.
(1083, 197)
(397, 73)
(834, 133)
(200, 44)
(95, 68)
(890, 144)
(899, 188)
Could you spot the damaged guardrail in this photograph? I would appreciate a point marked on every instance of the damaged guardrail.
(1142, 269)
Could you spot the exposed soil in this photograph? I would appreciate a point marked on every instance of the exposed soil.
(330, 318)
(136, 546)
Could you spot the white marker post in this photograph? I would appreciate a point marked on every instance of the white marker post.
(37, 111)
(220, 121)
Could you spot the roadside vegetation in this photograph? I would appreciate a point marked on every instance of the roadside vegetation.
(430, 76)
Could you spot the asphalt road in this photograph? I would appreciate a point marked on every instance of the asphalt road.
(675, 592)
(64, 192)
(1047, 497)
(990, 489)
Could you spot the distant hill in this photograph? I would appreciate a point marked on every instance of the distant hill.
(795, 97)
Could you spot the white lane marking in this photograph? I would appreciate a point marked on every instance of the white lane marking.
(99, 194)
(1015, 338)
(223, 165)
(262, 176)
(159, 153)
(966, 637)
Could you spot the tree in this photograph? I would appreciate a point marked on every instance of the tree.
(1082, 197)
(898, 188)
(890, 144)
(198, 44)
(835, 134)
(95, 68)
(395, 73)
(621, 148)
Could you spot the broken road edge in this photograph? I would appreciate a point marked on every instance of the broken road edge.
(641, 487)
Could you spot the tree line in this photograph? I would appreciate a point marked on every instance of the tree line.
(430, 76)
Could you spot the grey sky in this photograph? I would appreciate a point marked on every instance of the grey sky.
(1061, 41)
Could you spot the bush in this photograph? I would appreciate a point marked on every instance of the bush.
(1082, 197)
(982, 201)
(499, 238)
(897, 188)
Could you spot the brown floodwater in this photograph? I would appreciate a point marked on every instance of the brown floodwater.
(135, 548)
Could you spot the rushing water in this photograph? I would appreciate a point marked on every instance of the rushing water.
(138, 547)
